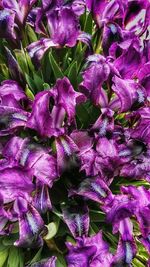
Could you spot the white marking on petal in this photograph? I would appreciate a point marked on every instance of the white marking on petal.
(140, 96)
(32, 223)
(128, 251)
(66, 147)
(102, 130)
(98, 189)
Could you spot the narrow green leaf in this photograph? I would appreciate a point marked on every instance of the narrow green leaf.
(88, 24)
(30, 82)
(56, 69)
(13, 258)
(60, 261)
(38, 82)
(21, 59)
(137, 263)
(4, 71)
(83, 115)
(3, 257)
(31, 34)
(37, 256)
(72, 74)
(29, 93)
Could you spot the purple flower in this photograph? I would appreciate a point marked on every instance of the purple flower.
(129, 92)
(126, 250)
(97, 71)
(64, 30)
(30, 224)
(50, 107)
(13, 16)
(77, 219)
(93, 188)
(32, 157)
(10, 87)
(89, 251)
(141, 196)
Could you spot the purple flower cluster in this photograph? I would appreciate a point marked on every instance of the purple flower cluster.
(44, 150)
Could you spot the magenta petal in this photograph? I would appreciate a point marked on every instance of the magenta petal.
(45, 122)
(45, 170)
(67, 97)
(63, 26)
(10, 87)
(129, 93)
(14, 181)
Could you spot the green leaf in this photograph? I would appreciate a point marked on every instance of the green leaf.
(4, 71)
(52, 230)
(38, 82)
(46, 86)
(15, 258)
(30, 82)
(72, 74)
(37, 256)
(29, 93)
(3, 256)
(88, 24)
(31, 34)
(60, 261)
(83, 115)
(21, 59)
(137, 263)
(56, 69)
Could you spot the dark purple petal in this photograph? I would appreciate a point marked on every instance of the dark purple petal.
(129, 93)
(13, 66)
(104, 125)
(120, 208)
(129, 62)
(94, 189)
(41, 200)
(30, 226)
(11, 119)
(126, 250)
(7, 24)
(111, 33)
(37, 49)
(77, 219)
(66, 153)
(21, 8)
(96, 72)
